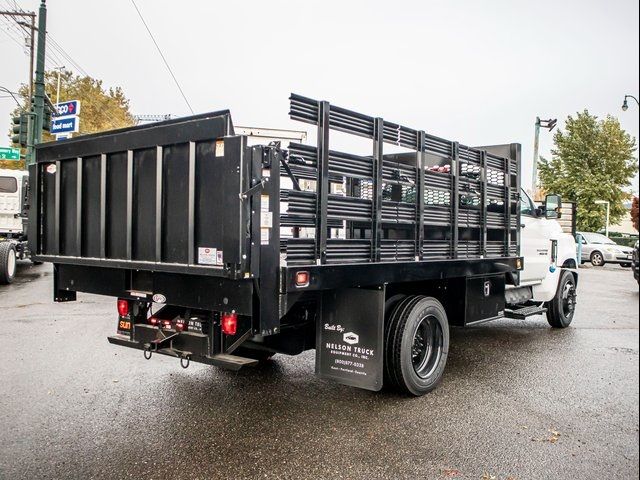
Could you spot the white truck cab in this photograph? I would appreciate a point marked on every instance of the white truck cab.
(549, 277)
(13, 245)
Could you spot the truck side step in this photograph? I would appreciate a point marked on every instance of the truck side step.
(231, 362)
(524, 312)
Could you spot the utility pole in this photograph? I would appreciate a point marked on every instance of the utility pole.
(39, 95)
(550, 125)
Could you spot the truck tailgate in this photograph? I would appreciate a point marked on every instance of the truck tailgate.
(162, 197)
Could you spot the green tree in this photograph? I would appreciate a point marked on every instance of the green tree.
(592, 160)
(101, 108)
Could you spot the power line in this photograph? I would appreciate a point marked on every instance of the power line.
(6, 32)
(162, 55)
(12, 94)
(19, 29)
(57, 51)
(66, 56)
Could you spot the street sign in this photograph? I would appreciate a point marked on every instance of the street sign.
(68, 109)
(65, 125)
(9, 153)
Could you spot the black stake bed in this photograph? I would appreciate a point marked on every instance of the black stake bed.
(184, 212)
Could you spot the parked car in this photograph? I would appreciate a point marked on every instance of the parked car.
(599, 249)
(636, 262)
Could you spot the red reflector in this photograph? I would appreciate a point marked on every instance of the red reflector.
(181, 325)
(166, 324)
(153, 320)
(229, 323)
(123, 307)
(302, 279)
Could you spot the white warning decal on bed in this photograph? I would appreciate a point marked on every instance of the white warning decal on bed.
(264, 236)
(208, 256)
(219, 148)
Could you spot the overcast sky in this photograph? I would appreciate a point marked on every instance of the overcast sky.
(476, 72)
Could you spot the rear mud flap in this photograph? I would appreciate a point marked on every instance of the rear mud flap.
(349, 337)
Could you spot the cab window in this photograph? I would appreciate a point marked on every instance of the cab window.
(527, 206)
(8, 185)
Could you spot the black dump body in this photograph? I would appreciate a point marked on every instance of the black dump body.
(184, 211)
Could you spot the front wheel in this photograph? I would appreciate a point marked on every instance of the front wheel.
(561, 307)
(597, 260)
(416, 345)
(7, 262)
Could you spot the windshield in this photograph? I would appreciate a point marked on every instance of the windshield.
(598, 238)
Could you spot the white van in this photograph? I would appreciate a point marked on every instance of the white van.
(13, 245)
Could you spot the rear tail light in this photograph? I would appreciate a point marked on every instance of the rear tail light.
(123, 307)
(153, 321)
(302, 279)
(229, 323)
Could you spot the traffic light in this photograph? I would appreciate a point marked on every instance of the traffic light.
(20, 129)
(46, 120)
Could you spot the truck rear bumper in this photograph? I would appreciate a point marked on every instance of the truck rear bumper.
(186, 346)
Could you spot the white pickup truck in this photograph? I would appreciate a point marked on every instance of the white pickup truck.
(13, 238)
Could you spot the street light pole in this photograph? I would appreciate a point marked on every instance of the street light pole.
(625, 104)
(550, 125)
(606, 225)
(58, 89)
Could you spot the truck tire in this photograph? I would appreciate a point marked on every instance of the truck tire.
(416, 345)
(561, 307)
(7, 262)
(597, 259)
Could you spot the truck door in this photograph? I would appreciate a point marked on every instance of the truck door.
(536, 242)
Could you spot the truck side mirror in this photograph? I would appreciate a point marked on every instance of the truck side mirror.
(552, 206)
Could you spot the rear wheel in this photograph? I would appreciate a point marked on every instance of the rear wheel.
(561, 308)
(7, 262)
(597, 260)
(416, 345)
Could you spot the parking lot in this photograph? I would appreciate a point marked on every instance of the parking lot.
(518, 401)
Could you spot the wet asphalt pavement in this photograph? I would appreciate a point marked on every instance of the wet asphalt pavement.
(518, 400)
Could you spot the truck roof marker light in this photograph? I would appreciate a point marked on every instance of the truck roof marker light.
(302, 279)
(123, 307)
(229, 323)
